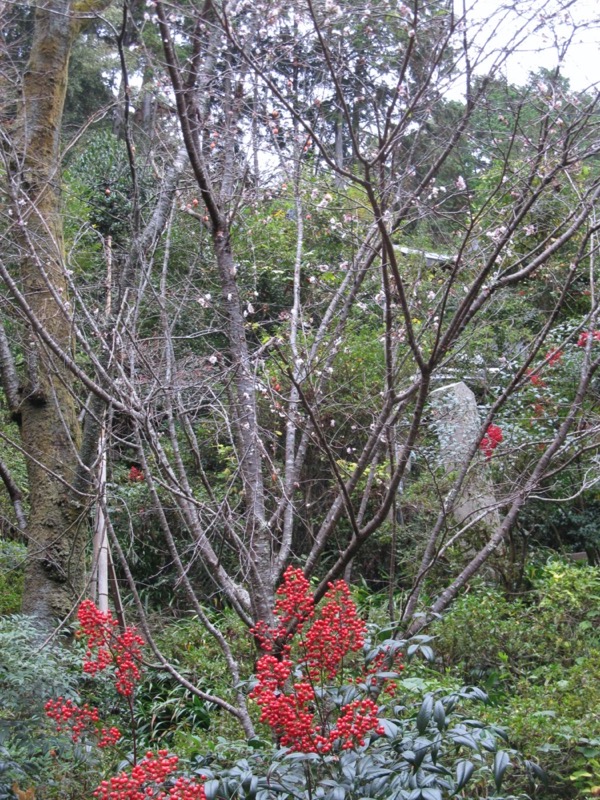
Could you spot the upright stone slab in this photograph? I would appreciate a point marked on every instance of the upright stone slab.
(458, 425)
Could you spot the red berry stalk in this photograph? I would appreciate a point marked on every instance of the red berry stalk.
(147, 779)
(294, 708)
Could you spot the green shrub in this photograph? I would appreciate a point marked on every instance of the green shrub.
(538, 656)
(432, 749)
(167, 714)
(31, 672)
(557, 621)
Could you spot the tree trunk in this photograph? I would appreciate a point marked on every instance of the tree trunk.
(55, 571)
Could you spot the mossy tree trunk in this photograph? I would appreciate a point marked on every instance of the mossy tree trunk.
(57, 529)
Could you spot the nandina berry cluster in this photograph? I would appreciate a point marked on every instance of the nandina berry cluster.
(79, 720)
(136, 475)
(106, 647)
(109, 737)
(338, 631)
(294, 602)
(294, 598)
(146, 779)
(491, 440)
(357, 720)
(293, 709)
(290, 714)
(583, 338)
(381, 661)
(68, 716)
(127, 655)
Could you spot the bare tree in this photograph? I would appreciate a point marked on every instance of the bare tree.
(247, 420)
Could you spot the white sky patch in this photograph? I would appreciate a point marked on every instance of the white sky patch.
(536, 35)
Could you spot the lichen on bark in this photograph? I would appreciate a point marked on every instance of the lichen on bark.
(50, 430)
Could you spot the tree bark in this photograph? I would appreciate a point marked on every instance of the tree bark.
(50, 430)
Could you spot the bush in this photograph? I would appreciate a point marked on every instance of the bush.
(430, 750)
(489, 635)
(334, 696)
(29, 675)
(538, 657)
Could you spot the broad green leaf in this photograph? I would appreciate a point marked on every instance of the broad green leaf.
(431, 794)
(501, 762)
(464, 770)
(425, 713)
(439, 715)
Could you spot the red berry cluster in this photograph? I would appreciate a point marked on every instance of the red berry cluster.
(78, 721)
(70, 717)
(294, 598)
(294, 601)
(553, 357)
(106, 647)
(109, 736)
(491, 440)
(583, 338)
(127, 654)
(266, 636)
(291, 715)
(136, 475)
(378, 663)
(145, 780)
(292, 709)
(187, 789)
(357, 720)
(93, 621)
(338, 631)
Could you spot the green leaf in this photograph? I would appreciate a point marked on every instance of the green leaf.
(431, 794)
(390, 729)
(439, 715)
(257, 744)
(425, 713)
(536, 771)
(427, 653)
(501, 762)
(413, 684)
(464, 739)
(210, 789)
(464, 770)
(421, 749)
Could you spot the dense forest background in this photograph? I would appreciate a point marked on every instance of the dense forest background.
(298, 297)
